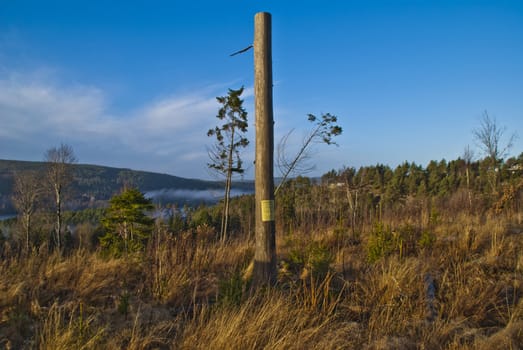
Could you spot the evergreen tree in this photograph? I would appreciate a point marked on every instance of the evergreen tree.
(127, 226)
(230, 138)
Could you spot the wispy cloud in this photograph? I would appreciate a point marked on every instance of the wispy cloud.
(31, 108)
(167, 134)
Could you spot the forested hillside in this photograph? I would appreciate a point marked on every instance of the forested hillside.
(93, 184)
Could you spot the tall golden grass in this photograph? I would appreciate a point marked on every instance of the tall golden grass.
(463, 291)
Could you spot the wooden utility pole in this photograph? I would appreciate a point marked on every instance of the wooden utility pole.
(265, 254)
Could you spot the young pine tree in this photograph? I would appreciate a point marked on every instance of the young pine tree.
(230, 139)
(126, 224)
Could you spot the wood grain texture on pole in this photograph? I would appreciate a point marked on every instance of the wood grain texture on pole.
(265, 251)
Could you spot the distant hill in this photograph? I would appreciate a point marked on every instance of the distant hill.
(94, 185)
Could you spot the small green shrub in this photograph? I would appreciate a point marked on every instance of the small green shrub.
(381, 242)
(296, 258)
(315, 256)
(384, 241)
(319, 258)
(123, 303)
(201, 217)
(435, 217)
(426, 240)
(231, 290)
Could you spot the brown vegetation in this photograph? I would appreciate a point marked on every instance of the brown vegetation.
(371, 259)
(462, 289)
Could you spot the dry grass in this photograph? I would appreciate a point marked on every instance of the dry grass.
(463, 292)
(268, 321)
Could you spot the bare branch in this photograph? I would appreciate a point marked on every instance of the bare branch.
(26, 193)
(323, 132)
(489, 137)
(60, 175)
(242, 50)
(468, 155)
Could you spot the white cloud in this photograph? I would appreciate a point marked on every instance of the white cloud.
(37, 113)
(34, 108)
(178, 113)
(194, 155)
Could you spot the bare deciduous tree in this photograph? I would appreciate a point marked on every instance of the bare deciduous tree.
(468, 157)
(325, 128)
(26, 192)
(59, 175)
(489, 137)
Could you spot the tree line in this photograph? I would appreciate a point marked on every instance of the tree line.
(350, 199)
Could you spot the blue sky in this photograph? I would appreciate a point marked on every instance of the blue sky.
(133, 83)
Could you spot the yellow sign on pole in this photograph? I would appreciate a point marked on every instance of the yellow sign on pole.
(267, 207)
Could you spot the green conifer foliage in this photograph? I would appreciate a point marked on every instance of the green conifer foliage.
(126, 223)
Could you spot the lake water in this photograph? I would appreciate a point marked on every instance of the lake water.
(5, 217)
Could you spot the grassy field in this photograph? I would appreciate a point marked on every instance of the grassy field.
(457, 285)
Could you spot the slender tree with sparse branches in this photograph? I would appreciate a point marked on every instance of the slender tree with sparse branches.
(489, 137)
(324, 130)
(230, 139)
(468, 157)
(60, 161)
(26, 193)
